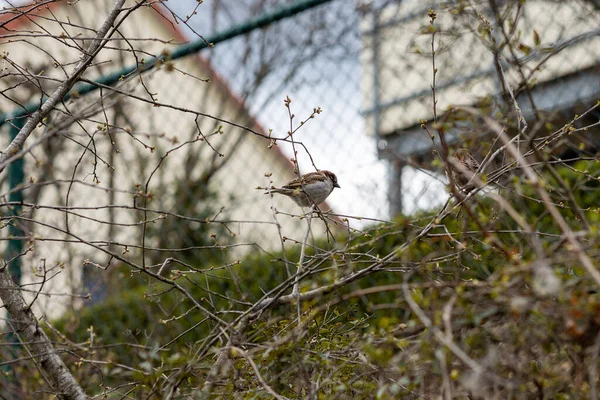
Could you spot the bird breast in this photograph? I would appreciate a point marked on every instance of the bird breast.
(319, 190)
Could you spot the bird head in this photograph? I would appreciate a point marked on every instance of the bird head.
(463, 154)
(331, 177)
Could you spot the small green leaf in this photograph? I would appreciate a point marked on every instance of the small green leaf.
(524, 49)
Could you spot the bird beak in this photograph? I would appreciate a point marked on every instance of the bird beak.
(336, 185)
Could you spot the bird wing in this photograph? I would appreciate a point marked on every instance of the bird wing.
(295, 184)
(299, 182)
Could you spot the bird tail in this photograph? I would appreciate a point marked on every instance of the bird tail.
(279, 190)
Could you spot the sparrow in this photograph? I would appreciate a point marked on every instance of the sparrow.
(462, 178)
(311, 189)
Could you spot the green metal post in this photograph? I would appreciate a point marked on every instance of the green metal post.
(16, 176)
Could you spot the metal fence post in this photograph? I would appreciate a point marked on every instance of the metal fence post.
(16, 176)
(395, 187)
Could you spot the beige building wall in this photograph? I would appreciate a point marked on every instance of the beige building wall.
(465, 64)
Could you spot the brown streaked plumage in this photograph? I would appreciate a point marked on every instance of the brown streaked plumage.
(311, 189)
(465, 158)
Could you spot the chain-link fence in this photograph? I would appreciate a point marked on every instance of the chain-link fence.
(369, 67)
(315, 59)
